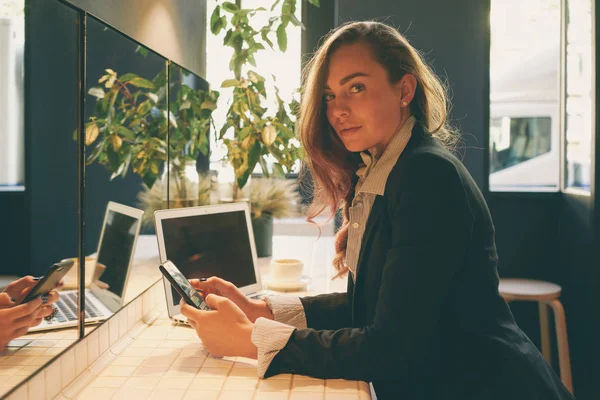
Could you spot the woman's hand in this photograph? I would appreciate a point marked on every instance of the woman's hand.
(18, 289)
(252, 308)
(18, 318)
(225, 330)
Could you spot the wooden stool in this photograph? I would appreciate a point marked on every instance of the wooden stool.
(546, 294)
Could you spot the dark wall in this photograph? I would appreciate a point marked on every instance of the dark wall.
(13, 234)
(175, 29)
(453, 40)
(579, 279)
(51, 93)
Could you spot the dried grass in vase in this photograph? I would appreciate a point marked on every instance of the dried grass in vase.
(276, 197)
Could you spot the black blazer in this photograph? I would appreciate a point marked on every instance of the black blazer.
(424, 319)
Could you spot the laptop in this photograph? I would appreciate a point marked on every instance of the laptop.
(215, 240)
(104, 297)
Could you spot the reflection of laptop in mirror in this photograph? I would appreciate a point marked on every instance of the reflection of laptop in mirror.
(214, 240)
(105, 295)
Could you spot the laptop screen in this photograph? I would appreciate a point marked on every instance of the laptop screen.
(115, 251)
(208, 245)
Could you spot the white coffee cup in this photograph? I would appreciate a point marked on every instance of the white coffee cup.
(286, 270)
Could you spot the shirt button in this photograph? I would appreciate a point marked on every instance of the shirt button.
(355, 225)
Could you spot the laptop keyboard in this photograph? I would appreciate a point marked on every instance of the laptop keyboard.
(67, 308)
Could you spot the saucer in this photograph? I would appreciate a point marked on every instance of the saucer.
(283, 286)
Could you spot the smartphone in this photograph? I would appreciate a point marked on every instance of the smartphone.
(183, 286)
(50, 280)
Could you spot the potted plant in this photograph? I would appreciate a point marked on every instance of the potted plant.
(249, 132)
(129, 130)
(270, 198)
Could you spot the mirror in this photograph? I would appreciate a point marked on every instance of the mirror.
(126, 142)
(191, 105)
(39, 196)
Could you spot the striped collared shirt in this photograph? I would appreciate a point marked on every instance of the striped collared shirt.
(372, 178)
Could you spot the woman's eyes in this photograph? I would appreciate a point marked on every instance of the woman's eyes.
(356, 88)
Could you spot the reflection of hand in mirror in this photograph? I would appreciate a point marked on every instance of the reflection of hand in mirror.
(18, 318)
(98, 271)
(18, 289)
(101, 285)
(251, 307)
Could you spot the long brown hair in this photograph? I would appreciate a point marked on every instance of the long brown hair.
(333, 168)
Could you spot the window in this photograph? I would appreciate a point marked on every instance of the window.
(517, 140)
(578, 90)
(530, 112)
(12, 40)
(285, 67)
(525, 95)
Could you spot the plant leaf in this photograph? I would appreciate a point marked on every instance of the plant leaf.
(263, 166)
(127, 133)
(269, 134)
(278, 171)
(141, 83)
(244, 132)
(142, 50)
(153, 97)
(127, 77)
(275, 5)
(208, 105)
(295, 20)
(215, 21)
(230, 83)
(144, 107)
(265, 38)
(117, 142)
(91, 133)
(230, 7)
(253, 155)
(282, 38)
(113, 158)
(96, 92)
(185, 105)
(242, 179)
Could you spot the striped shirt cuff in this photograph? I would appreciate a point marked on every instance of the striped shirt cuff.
(288, 310)
(269, 337)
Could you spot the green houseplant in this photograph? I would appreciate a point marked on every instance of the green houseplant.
(130, 125)
(249, 132)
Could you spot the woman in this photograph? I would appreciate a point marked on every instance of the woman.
(17, 318)
(422, 317)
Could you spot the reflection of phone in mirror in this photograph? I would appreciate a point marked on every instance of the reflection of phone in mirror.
(182, 286)
(50, 280)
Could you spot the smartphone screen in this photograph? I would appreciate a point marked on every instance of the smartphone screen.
(181, 281)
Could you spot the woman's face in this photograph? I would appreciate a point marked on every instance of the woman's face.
(363, 108)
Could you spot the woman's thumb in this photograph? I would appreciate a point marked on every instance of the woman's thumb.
(214, 301)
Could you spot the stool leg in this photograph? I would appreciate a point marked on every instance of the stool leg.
(563, 344)
(545, 333)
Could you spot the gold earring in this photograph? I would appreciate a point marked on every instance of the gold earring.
(404, 103)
